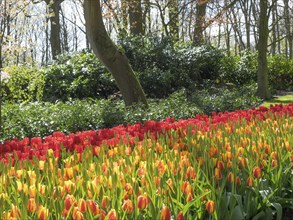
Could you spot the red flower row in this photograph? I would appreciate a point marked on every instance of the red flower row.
(28, 148)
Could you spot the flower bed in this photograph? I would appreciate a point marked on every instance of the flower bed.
(234, 165)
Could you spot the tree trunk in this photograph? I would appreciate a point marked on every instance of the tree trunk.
(115, 61)
(198, 37)
(262, 72)
(289, 33)
(147, 17)
(173, 19)
(54, 8)
(135, 17)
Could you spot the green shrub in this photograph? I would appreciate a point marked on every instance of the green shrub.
(79, 75)
(280, 72)
(239, 70)
(166, 67)
(24, 84)
(212, 98)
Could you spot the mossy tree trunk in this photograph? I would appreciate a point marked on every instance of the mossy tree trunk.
(107, 52)
(262, 72)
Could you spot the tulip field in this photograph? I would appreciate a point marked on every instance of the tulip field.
(230, 165)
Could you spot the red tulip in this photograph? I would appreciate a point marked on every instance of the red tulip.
(180, 216)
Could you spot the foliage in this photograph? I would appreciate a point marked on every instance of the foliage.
(43, 118)
(79, 75)
(166, 67)
(232, 165)
(25, 83)
(280, 72)
(239, 70)
(225, 97)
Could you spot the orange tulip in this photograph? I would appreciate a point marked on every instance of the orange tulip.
(69, 201)
(112, 215)
(105, 202)
(238, 181)
(166, 213)
(93, 207)
(82, 205)
(190, 173)
(218, 174)
(249, 182)
(31, 206)
(15, 213)
(257, 172)
(43, 213)
(230, 177)
(128, 206)
(210, 206)
(141, 202)
(77, 214)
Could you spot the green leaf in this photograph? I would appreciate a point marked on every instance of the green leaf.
(279, 210)
(237, 213)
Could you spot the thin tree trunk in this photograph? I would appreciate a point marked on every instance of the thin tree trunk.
(173, 19)
(289, 33)
(274, 36)
(115, 61)
(262, 72)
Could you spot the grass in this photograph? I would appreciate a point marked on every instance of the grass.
(286, 99)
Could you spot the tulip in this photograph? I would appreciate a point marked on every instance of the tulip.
(128, 206)
(166, 213)
(32, 191)
(105, 202)
(41, 164)
(69, 201)
(141, 202)
(112, 215)
(77, 214)
(93, 207)
(238, 181)
(180, 216)
(190, 173)
(189, 197)
(257, 172)
(249, 182)
(43, 213)
(15, 213)
(82, 205)
(31, 206)
(69, 172)
(230, 177)
(210, 206)
(218, 174)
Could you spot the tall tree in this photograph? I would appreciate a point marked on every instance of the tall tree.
(262, 71)
(289, 33)
(198, 36)
(173, 19)
(135, 17)
(114, 60)
(55, 38)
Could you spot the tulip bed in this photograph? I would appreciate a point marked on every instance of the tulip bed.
(232, 165)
